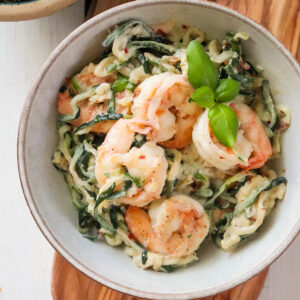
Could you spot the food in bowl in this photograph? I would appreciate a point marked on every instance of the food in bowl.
(166, 142)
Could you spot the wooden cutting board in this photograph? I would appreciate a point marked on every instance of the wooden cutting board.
(282, 18)
(70, 284)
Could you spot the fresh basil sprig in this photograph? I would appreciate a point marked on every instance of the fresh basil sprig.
(211, 92)
(226, 90)
(204, 96)
(201, 70)
(224, 123)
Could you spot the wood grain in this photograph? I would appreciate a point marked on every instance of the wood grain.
(70, 284)
(282, 19)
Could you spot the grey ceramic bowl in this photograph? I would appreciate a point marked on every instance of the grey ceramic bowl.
(47, 194)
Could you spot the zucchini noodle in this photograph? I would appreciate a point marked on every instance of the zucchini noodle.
(236, 200)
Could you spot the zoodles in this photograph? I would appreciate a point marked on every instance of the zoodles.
(166, 142)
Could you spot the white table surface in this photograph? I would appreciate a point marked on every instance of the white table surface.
(25, 255)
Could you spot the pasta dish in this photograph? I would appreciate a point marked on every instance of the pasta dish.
(165, 142)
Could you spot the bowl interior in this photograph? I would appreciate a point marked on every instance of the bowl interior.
(49, 198)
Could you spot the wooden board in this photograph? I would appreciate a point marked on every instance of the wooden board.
(282, 18)
(70, 284)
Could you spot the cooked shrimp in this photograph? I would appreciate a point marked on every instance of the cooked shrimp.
(175, 226)
(147, 164)
(90, 79)
(87, 113)
(163, 101)
(251, 150)
(94, 106)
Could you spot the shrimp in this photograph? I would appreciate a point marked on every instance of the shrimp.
(90, 109)
(174, 227)
(90, 79)
(147, 164)
(163, 101)
(251, 150)
(255, 132)
(87, 113)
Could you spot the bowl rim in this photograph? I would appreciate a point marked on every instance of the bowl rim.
(31, 9)
(23, 175)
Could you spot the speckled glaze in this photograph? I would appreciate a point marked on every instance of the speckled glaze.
(31, 9)
(47, 194)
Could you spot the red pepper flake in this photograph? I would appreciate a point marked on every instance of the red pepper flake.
(221, 157)
(142, 157)
(195, 185)
(184, 26)
(130, 236)
(160, 31)
(126, 50)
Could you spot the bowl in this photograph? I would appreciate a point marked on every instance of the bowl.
(47, 194)
(31, 9)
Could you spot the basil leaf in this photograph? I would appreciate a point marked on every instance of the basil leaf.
(224, 123)
(226, 90)
(203, 96)
(201, 70)
(122, 83)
